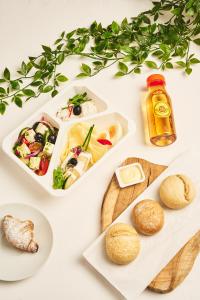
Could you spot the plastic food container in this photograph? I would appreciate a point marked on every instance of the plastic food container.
(102, 118)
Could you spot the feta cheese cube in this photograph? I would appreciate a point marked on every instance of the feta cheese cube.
(41, 128)
(48, 148)
(23, 150)
(34, 163)
(30, 135)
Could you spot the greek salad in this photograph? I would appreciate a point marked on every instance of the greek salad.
(34, 146)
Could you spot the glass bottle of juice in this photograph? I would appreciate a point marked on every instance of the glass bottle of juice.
(160, 117)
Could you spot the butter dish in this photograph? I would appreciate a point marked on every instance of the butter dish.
(130, 174)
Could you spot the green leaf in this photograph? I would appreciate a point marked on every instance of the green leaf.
(194, 61)
(70, 34)
(81, 75)
(29, 92)
(36, 83)
(61, 78)
(2, 108)
(6, 74)
(197, 41)
(127, 49)
(58, 178)
(57, 41)
(188, 71)
(86, 69)
(119, 74)
(146, 20)
(151, 64)
(38, 75)
(181, 64)
(123, 67)
(2, 80)
(46, 49)
(47, 89)
(124, 23)
(176, 11)
(15, 84)
(23, 68)
(18, 101)
(62, 34)
(2, 90)
(169, 65)
(43, 62)
(115, 27)
(61, 58)
(54, 93)
(137, 70)
(157, 53)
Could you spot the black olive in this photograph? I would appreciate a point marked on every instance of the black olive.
(72, 162)
(39, 138)
(52, 138)
(77, 110)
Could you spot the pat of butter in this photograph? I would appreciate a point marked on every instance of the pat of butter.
(130, 174)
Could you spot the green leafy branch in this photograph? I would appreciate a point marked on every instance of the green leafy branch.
(145, 41)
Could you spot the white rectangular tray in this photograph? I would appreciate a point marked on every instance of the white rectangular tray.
(157, 250)
(102, 119)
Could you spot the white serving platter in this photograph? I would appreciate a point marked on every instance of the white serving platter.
(157, 250)
(49, 110)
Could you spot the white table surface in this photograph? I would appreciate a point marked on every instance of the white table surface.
(24, 26)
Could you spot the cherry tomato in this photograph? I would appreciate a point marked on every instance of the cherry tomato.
(44, 164)
(25, 141)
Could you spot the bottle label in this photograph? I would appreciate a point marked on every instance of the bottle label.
(162, 110)
(161, 107)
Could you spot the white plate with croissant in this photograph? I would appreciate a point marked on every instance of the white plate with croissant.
(26, 240)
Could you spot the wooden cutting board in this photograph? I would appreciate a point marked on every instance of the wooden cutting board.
(116, 200)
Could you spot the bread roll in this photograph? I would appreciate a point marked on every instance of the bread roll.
(122, 243)
(177, 191)
(148, 217)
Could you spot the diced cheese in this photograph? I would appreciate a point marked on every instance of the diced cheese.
(85, 157)
(41, 128)
(48, 148)
(79, 168)
(23, 150)
(34, 163)
(30, 135)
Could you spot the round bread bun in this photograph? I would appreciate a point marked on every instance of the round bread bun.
(122, 243)
(148, 217)
(177, 191)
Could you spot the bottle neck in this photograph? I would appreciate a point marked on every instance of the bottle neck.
(156, 87)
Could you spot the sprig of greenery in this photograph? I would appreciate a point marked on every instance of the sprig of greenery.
(87, 139)
(145, 41)
(79, 99)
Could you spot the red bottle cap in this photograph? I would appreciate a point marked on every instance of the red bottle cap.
(155, 79)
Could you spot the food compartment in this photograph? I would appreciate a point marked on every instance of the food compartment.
(83, 146)
(75, 103)
(32, 144)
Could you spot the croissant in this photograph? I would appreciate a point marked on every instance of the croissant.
(19, 233)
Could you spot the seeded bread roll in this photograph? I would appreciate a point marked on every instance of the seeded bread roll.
(122, 244)
(177, 191)
(148, 217)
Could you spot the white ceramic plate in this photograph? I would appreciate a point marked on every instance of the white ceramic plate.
(15, 264)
